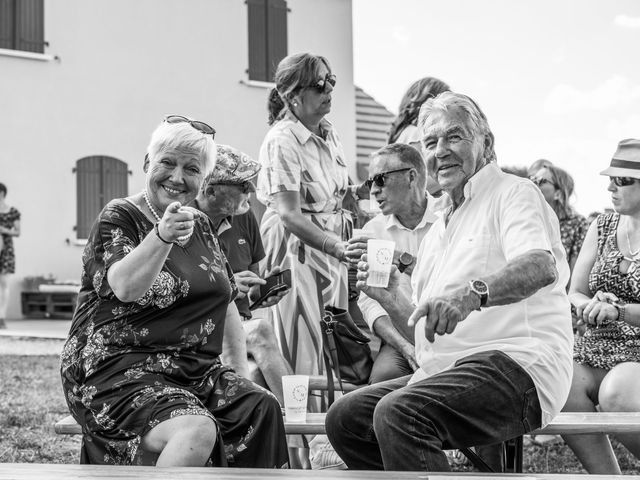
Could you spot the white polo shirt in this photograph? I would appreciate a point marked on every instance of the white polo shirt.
(502, 217)
(388, 227)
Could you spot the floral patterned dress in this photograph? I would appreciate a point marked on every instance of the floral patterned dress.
(7, 254)
(126, 367)
(609, 344)
(572, 232)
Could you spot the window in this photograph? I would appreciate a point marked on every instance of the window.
(99, 179)
(22, 25)
(267, 37)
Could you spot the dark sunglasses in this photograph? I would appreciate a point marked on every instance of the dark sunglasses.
(379, 178)
(623, 181)
(321, 84)
(198, 125)
(245, 186)
(542, 181)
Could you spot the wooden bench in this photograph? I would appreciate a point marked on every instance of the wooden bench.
(29, 471)
(563, 423)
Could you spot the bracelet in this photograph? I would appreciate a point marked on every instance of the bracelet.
(324, 242)
(157, 230)
(622, 310)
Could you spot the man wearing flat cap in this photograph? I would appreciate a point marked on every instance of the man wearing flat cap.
(225, 199)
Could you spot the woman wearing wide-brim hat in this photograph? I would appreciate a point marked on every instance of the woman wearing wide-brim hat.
(605, 289)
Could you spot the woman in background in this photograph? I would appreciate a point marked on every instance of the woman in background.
(9, 228)
(605, 290)
(557, 187)
(404, 128)
(302, 182)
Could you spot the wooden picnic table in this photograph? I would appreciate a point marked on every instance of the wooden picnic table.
(41, 471)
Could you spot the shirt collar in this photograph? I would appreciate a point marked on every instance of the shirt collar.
(224, 225)
(427, 217)
(302, 133)
(482, 180)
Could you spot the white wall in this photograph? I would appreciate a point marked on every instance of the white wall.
(121, 66)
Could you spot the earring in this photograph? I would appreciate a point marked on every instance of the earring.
(295, 104)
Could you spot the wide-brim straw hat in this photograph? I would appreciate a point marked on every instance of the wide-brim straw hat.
(626, 160)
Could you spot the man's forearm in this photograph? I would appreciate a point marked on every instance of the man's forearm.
(397, 305)
(521, 278)
(383, 327)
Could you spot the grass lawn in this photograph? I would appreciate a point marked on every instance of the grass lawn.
(31, 401)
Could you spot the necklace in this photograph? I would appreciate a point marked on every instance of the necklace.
(180, 240)
(631, 252)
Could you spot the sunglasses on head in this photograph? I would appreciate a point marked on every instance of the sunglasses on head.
(321, 85)
(623, 181)
(379, 178)
(542, 181)
(198, 125)
(244, 186)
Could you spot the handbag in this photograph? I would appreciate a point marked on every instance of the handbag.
(346, 350)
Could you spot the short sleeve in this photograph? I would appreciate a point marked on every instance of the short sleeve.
(113, 236)
(523, 211)
(15, 214)
(253, 230)
(282, 166)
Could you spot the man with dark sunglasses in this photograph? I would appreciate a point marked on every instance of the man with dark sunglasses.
(397, 181)
(492, 319)
(225, 200)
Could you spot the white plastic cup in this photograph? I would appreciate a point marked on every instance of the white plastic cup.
(296, 391)
(380, 259)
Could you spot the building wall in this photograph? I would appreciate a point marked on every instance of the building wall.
(120, 67)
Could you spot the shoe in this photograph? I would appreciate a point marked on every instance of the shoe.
(456, 457)
(546, 439)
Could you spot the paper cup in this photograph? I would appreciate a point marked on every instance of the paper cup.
(380, 259)
(296, 390)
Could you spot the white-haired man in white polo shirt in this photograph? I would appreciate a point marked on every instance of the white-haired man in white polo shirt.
(490, 282)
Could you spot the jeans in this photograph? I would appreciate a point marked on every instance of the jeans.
(486, 398)
(389, 363)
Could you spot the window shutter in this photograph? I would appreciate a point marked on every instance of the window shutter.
(88, 194)
(7, 23)
(114, 179)
(30, 28)
(276, 35)
(99, 180)
(257, 15)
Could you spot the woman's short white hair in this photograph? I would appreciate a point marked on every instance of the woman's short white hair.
(183, 137)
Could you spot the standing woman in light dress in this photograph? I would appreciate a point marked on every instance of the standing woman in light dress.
(303, 182)
(605, 289)
(9, 228)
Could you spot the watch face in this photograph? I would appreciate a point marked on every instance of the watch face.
(406, 258)
(480, 287)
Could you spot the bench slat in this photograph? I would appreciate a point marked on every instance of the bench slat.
(564, 423)
(29, 471)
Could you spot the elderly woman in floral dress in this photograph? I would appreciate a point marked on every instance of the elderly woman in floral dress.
(141, 369)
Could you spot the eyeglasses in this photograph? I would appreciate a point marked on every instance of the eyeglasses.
(321, 85)
(198, 125)
(246, 187)
(542, 181)
(379, 178)
(623, 181)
